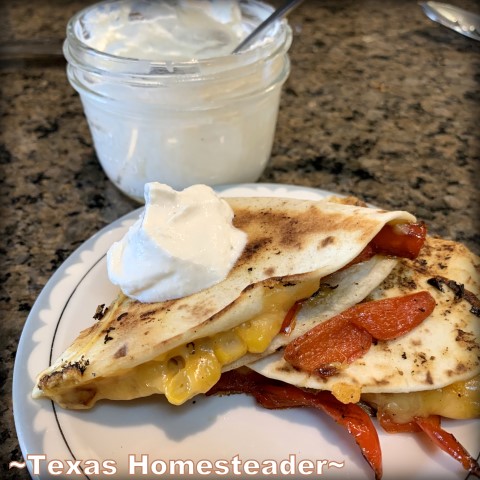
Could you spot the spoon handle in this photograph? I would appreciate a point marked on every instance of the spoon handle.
(30, 49)
(280, 12)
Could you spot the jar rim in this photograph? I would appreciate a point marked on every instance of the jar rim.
(81, 55)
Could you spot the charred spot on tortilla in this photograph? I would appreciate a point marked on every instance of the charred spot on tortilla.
(382, 382)
(81, 365)
(326, 242)
(286, 367)
(251, 250)
(459, 368)
(100, 312)
(107, 337)
(269, 272)
(421, 262)
(323, 289)
(422, 358)
(201, 310)
(415, 342)
(130, 314)
(75, 369)
(468, 339)
(459, 291)
(437, 283)
(327, 371)
(121, 352)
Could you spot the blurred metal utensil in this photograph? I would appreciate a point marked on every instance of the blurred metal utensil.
(462, 21)
(30, 49)
(280, 12)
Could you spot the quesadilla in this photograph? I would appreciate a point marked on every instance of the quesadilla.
(409, 382)
(180, 347)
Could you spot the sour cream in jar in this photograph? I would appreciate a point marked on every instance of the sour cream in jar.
(165, 99)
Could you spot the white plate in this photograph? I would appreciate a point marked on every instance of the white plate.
(209, 429)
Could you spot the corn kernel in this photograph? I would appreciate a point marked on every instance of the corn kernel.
(258, 333)
(228, 347)
(177, 388)
(203, 371)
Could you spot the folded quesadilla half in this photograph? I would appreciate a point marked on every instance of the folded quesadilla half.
(413, 374)
(408, 382)
(180, 347)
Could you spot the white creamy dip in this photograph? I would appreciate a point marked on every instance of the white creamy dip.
(159, 31)
(182, 243)
(164, 98)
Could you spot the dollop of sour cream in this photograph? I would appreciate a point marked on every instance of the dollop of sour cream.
(183, 242)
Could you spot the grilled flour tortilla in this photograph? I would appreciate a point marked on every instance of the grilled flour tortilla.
(179, 347)
(443, 350)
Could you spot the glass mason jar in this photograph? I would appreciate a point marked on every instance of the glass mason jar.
(208, 121)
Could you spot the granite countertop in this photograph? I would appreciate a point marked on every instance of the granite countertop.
(381, 103)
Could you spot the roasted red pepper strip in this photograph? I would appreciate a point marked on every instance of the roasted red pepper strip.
(393, 427)
(448, 443)
(401, 240)
(328, 346)
(390, 318)
(348, 336)
(348, 415)
(431, 426)
(273, 394)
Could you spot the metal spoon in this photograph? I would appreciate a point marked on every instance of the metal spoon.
(462, 21)
(280, 12)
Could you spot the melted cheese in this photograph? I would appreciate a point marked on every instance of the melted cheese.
(460, 400)
(194, 368)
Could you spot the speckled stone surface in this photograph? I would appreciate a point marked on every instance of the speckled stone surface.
(381, 103)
